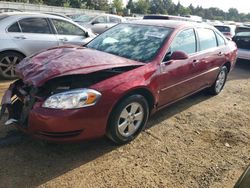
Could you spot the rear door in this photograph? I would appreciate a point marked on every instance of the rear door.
(32, 34)
(212, 56)
(69, 33)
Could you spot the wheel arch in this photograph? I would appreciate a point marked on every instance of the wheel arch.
(228, 65)
(13, 50)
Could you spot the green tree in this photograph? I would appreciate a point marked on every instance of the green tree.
(142, 6)
(157, 7)
(118, 5)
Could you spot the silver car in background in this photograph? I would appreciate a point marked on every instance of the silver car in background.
(22, 34)
(98, 23)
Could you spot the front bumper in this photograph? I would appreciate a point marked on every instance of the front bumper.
(52, 124)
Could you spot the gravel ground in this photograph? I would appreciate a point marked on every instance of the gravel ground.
(201, 141)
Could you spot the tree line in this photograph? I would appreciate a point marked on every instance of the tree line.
(148, 7)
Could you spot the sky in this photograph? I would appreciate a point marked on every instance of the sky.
(241, 5)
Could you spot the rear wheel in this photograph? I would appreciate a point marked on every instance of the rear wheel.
(8, 62)
(218, 85)
(128, 119)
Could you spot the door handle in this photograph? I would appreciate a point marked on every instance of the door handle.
(20, 37)
(195, 61)
(63, 39)
(220, 54)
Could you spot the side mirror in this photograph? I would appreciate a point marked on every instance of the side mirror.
(94, 22)
(86, 34)
(178, 55)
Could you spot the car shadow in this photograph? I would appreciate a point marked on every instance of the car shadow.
(240, 71)
(31, 162)
(25, 162)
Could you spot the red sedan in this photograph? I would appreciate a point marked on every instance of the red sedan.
(113, 84)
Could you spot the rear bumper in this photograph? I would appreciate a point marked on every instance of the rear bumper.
(244, 54)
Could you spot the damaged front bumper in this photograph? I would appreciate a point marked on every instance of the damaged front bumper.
(18, 100)
(25, 111)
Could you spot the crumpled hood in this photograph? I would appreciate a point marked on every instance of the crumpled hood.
(67, 60)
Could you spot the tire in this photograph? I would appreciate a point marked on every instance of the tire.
(128, 119)
(220, 81)
(8, 62)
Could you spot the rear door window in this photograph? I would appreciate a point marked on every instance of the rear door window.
(207, 38)
(14, 28)
(35, 25)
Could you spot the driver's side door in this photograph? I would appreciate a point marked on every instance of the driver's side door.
(177, 77)
(68, 33)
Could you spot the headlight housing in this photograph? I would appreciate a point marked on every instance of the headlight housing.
(73, 99)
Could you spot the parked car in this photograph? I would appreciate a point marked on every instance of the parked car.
(227, 30)
(22, 34)
(244, 179)
(2, 10)
(166, 17)
(240, 29)
(243, 43)
(117, 80)
(98, 23)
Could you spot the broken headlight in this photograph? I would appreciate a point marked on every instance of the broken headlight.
(72, 99)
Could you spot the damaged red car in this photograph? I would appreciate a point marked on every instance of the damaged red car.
(113, 84)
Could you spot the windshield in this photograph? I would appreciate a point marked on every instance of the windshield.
(84, 18)
(2, 16)
(132, 41)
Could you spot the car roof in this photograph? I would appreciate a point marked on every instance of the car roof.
(10, 14)
(170, 23)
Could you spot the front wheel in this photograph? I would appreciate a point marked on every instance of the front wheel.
(218, 85)
(128, 119)
(8, 62)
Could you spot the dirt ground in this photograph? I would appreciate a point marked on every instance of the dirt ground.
(201, 141)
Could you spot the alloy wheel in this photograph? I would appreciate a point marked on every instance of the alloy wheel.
(130, 119)
(8, 65)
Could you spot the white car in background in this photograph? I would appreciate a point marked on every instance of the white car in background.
(226, 30)
(22, 34)
(98, 23)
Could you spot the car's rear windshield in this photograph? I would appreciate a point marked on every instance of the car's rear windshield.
(223, 28)
(242, 40)
(242, 29)
(132, 41)
(243, 34)
(3, 16)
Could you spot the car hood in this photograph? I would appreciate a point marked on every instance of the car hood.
(67, 60)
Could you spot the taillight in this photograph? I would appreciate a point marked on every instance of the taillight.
(228, 34)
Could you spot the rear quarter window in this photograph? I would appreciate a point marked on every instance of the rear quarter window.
(14, 28)
(221, 41)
